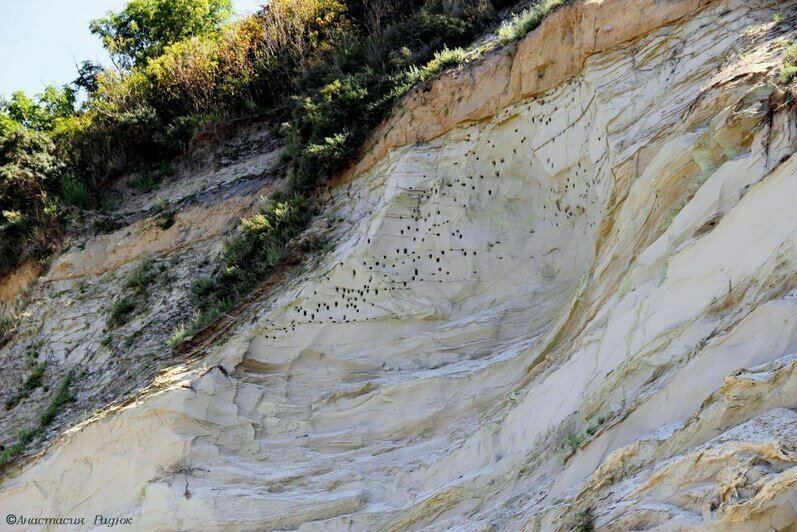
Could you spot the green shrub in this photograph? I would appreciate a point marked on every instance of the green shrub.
(250, 256)
(34, 380)
(147, 180)
(317, 244)
(150, 178)
(199, 321)
(582, 521)
(141, 276)
(573, 440)
(144, 28)
(788, 71)
(75, 192)
(522, 23)
(44, 113)
(62, 397)
(118, 131)
(121, 310)
(29, 185)
(139, 281)
(8, 325)
(246, 260)
(107, 224)
(166, 219)
(161, 204)
(110, 204)
(24, 437)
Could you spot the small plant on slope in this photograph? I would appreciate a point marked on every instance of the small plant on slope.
(61, 397)
(582, 521)
(141, 276)
(527, 20)
(33, 381)
(75, 192)
(789, 69)
(121, 310)
(139, 280)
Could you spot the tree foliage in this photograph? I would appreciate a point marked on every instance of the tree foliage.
(87, 76)
(144, 28)
(29, 181)
(41, 113)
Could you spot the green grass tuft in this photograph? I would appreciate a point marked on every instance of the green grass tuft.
(199, 321)
(139, 281)
(141, 276)
(161, 204)
(75, 192)
(788, 71)
(121, 311)
(415, 75)
(109, 205)
(146, 180)
(9, 324)
(527, 20)
(582, 521)
(317, 244)
(34, 380)
(573, 440)
(444, 58)
(24, 437)
(166, 220)
(62, 397)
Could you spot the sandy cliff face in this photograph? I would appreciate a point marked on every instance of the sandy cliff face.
(563, 286)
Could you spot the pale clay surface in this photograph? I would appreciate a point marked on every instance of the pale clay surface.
(614, 257)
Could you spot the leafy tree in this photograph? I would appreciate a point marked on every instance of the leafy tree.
(87, 76)
(7, 125)
(41, 113)
(29, 179)
(144, 28)
(28, 169)
(56, 103)
(23, 110)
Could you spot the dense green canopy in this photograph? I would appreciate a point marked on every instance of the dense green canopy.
(144, 28)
